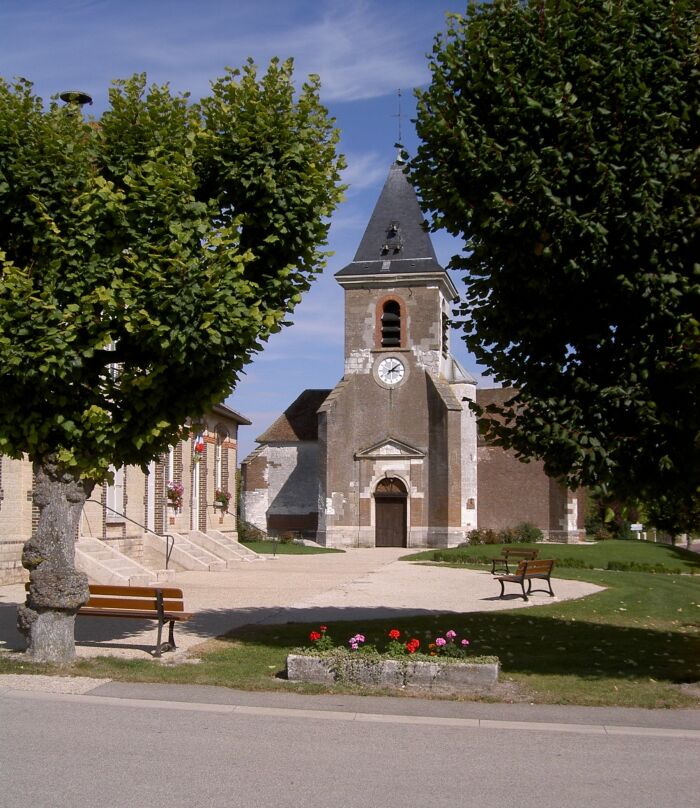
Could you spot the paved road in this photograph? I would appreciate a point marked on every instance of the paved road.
(118, 745)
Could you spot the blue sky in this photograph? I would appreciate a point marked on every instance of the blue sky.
(364, 50)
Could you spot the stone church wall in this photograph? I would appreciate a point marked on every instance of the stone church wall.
(281, 488)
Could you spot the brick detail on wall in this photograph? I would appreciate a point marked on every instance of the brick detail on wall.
(225, 476)
(204, 463)
(103, 500)
(125, 500)
(160, 498)
(35, 509)
(178, 466)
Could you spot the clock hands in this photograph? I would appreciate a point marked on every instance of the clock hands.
(391, 370)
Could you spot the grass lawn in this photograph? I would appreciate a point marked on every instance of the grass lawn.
(629, 556)
(280, 548)
(630, 645)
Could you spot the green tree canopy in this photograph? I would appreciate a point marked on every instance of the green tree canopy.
(143, 258)
(560, 140)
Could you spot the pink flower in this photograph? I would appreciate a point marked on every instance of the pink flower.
(465, 643)
(356, 640)
(450, 634)
(440, 641)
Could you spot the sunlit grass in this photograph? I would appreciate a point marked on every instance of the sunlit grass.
(629, 556)
(288, 548)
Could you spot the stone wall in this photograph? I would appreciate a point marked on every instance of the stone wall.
(280, 487)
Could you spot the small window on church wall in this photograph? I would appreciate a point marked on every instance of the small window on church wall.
(391, 325)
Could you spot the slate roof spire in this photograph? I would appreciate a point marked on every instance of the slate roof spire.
(395, 240)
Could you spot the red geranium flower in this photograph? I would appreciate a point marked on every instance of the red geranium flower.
(323, 628)
(394, 634)
(314, 635)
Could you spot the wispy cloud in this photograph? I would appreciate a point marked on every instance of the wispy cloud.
(364, 171)
(360, 49)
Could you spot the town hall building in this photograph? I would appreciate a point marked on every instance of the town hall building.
(391, 456)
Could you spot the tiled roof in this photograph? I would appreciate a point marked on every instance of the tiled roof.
(395, 240)
(299, 421)
(223, 409)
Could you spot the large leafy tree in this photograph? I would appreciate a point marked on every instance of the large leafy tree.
(560, 140)
(143, 258)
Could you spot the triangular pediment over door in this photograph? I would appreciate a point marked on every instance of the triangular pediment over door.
(389, 448)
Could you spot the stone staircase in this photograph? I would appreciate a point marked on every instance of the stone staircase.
(11, 569)
(224, 546)
(106, 565)
(186, 554)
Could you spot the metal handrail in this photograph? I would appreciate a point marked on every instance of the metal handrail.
(169, 538)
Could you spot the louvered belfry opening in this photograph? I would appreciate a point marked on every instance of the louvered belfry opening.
(391, 325)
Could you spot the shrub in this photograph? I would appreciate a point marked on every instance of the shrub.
(507, 536)
(249, 532)
(288, 536)
(527, 532)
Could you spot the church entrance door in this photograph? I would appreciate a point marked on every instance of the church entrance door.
(390, 513)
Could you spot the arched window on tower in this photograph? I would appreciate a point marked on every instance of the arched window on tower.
(391, 324)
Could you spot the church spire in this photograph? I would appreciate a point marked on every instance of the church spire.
(395, 240)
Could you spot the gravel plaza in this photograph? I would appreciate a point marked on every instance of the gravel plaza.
(360, 584)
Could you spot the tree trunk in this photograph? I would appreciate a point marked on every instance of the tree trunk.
(56, 588)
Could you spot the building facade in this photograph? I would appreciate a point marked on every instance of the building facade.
(390, 456)
(177, 494)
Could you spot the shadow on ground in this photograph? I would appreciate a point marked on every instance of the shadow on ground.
(527, 641)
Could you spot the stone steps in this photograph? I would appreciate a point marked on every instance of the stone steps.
(106, 565)
(224, 546)
(11, 569)
(186, 554)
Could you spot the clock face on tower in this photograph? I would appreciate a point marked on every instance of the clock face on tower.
(391, 371)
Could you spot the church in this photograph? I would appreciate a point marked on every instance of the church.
(391, 456)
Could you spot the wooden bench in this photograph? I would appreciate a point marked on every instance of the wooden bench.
(163, 604)
(537, 569)
(512, 553)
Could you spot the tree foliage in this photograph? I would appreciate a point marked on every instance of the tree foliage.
(560, 140)
(144, 256)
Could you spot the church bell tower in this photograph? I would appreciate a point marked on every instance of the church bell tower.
(397, 441)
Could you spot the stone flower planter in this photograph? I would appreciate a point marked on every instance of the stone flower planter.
(362, 669)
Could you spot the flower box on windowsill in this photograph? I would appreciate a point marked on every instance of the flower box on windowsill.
(341, 666)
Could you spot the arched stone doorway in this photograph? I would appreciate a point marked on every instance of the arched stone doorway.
(390, 501)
